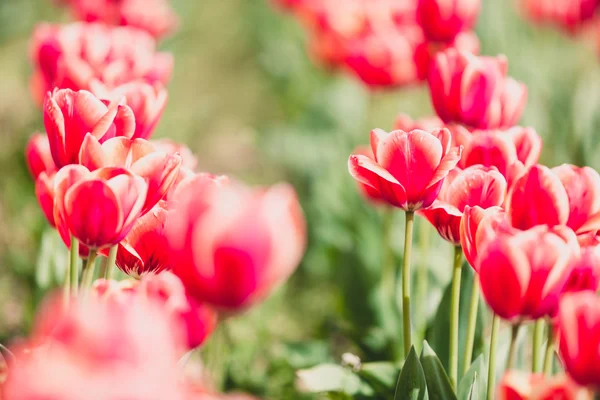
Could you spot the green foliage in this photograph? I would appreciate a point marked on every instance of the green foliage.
(411, 382)
(473, 385)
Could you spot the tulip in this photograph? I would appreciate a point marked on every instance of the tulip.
(367, 191)
(38, 156)
(523, 386)
(44, 191)
(69, 116)
(569, 15)
(405, 123)
(153, 16)
(474, 186)
(538, 198)
(577, 329)
(475, 91)
(477, 226)
(442, 20)
(408, 169)
(78, 55)
(188, 159)
(532, 268)
(90, 343)
(583, 190)
(585, 271)
(98, 208)
(146, 101)
(465, 42)
(232, 245)
(139, 156)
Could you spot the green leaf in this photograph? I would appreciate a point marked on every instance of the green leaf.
(331, 378)
(473, 385)
(411, 382)
(438, 384)
(381, 376)
(437, 332)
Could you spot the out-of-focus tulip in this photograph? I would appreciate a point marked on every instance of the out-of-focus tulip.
(467, 42)
(475, 91)
(406, 123)
(478, 225)
(232, 245)
(442, 20)
(98, 208)
(583, 189)
(538, 198)
(578, 332)
(89, 344)
(585, 271)
(474, 186)
(44, 191)
(139, 156)
(153, 16)
(517, 385)
(188, 159)
(76, 55)
(145, 100)
(567, 14)
(522, 274)
(166, 290)
(38, 156)
(409, 168)
(69, 116)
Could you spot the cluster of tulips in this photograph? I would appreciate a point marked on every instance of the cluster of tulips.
(197, 248)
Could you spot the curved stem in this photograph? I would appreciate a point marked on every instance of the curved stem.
(110, 263)
(74, 266)
(538, 337)
(549, 356)
(513, 345)
(88, 271)
(492, 358)
(454, 318)
(406, 276)
(472, 325)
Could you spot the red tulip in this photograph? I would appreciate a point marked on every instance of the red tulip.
(538, 198)
(98, 208)
(38, 156)
(69, 116)
(74, 56)
(578, 332)
(139, 156)
(467, 42)
(367, 191)
(478, 225)
(475, 91)
(524, 386)
(474, 186)
(188, 159)
(408, 169)
(442, 20)
(522, 274)
(153, 16)
(232, 245)
(145, 248)
(567, 14)
(585, 271)
(166, 291)
(583, 189)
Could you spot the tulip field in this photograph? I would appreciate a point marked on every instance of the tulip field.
(300, 199)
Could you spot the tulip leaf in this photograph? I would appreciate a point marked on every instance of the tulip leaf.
(437, 331)
(381, 376)
(326, 378)
(438, 383)
(411, 382)
(473, 384)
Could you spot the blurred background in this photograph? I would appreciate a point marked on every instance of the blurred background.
(249, 102)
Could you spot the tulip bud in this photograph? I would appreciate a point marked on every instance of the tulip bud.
(442, 20)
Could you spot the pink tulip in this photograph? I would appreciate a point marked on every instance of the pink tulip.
(405, 123)
(408, 169)
(38, 156)
(583, 189)
(442, 20)
(477, 226)
(567, 14)
(188, 159)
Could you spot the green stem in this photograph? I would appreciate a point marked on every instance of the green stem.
(492, 358)
(423, 271)
(454, 311)
(472, 325)
(88, 271)
(513, 345)
(110, 263)
(406, 276)
(549, 356)
(538, 337)
(74, 266)
(389, 269)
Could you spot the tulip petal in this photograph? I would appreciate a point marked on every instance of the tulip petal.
(371, 174)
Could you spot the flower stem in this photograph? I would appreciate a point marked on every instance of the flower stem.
(513, 345)
(74, 266)
(423, 271)
(472, 325)
(110, 263)
(549, 356)
(454, 311)
(492, 358)
(406, 276)
(538, 337)
(389, 269)
(88, 271)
